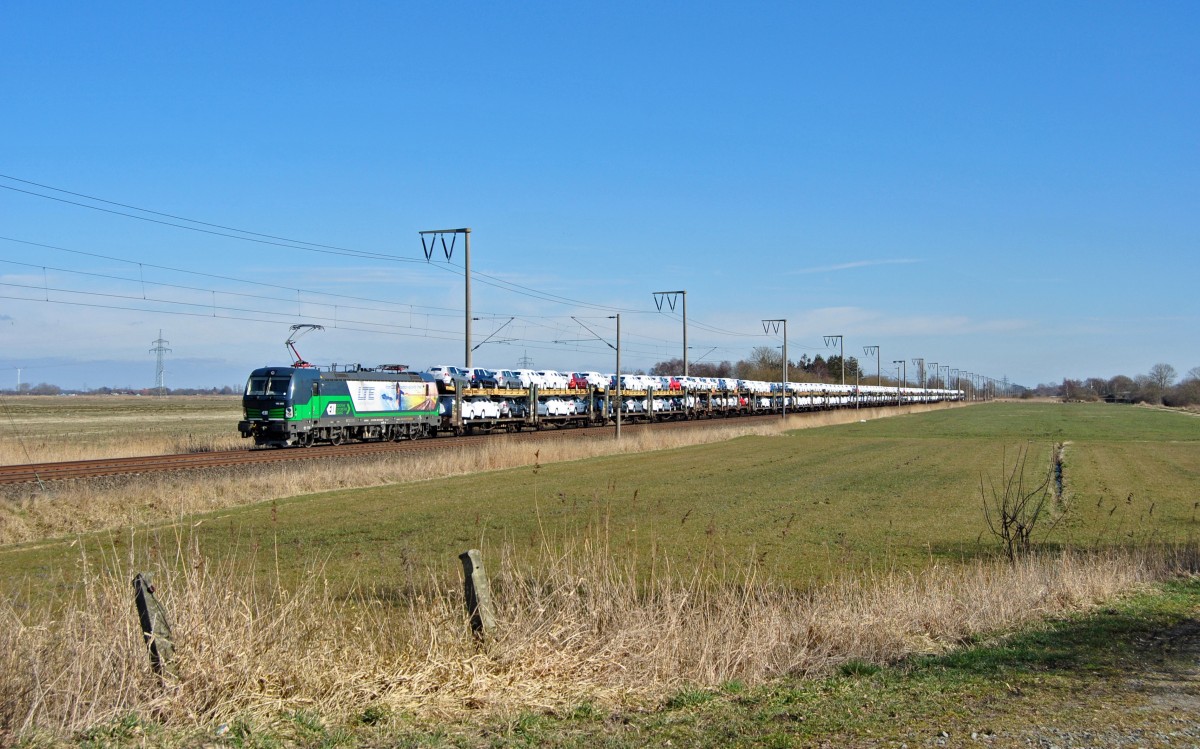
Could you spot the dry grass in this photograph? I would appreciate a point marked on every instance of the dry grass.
(47, 429)
(32, 513)
(579, 625)
(116, 443)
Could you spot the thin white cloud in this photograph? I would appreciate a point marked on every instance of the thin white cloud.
(852, 265)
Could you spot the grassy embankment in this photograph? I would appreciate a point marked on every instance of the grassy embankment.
(900, 492)
(623, 581)
(53, 428)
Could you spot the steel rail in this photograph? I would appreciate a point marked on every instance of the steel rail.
(108, 467)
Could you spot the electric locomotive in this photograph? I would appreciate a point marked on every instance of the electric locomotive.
(303, 405)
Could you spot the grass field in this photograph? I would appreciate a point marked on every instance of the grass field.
(31, 512)
(900, 492)
(46, 429)
(747, 560)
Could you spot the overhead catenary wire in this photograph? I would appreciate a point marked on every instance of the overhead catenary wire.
(449, 311)
(244, 317)
(217, 276)
(143, 283)
(172, 220)
(277, 241)
(195, 309)
(288, 242)
(211, 306)
(168, 215)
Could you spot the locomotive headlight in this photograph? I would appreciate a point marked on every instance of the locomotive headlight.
(288, 412)
(264, 413)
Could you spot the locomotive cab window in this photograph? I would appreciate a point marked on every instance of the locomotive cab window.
(267, 386)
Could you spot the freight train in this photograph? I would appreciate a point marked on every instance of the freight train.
(303, 405)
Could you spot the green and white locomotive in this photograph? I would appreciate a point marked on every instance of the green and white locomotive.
(303, 405)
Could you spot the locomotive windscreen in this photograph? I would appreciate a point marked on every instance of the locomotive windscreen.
(267, 386)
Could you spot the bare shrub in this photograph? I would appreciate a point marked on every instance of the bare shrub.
(1014, 509)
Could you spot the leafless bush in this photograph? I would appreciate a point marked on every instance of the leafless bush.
(1014, 509)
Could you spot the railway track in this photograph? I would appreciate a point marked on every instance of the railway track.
(108, 467)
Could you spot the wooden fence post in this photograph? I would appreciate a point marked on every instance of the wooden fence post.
(155, 629)
(478, 594)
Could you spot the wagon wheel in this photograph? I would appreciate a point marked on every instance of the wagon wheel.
(336, 437)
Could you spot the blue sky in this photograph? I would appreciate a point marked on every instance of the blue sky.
(1008, 188)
